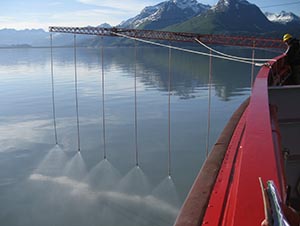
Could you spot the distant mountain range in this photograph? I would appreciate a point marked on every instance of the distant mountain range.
(165, 14)
(12, 37)
(35, 38)
(226, 17)
(235, 17)
(283, 17)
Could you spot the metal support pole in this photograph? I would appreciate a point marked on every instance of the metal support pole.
(76, 92)
(169, 112)
(103, 98)
(209, 104)
(252, 67)
(53, 91)
(135, 106)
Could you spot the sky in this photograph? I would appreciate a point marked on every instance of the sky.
(22, 14)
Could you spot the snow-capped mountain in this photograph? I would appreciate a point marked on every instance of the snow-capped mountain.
(282, 17)
(191, 4)
(235, 17)
(165, 14)
(229, 17)
(105, 25)
(224, 5)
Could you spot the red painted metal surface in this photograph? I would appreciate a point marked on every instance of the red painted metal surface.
(258, 156)
(194, 207)
(253, 152)
(216, 207)
(176, 36)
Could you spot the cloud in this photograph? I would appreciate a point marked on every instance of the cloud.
(130, 5)
(5, 19)
(84, 13)
(91, 17)
(20, 25)
(55, 3)
(81, 13)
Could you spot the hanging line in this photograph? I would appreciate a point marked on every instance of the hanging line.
(76, 92)
(209, 104)
(169, 112)
(252, 67)
(103, 99)
(231, 56)
(241, 58)
(189, 50)
(135, 106)
(53, 91)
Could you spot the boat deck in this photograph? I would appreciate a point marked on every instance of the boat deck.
(286, 100)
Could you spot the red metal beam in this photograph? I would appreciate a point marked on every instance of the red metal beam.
(175, 36)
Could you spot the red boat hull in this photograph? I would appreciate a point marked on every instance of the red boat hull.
(227, 190)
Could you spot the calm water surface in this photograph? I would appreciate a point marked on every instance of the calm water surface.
(46, 184)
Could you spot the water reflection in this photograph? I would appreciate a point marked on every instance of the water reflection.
(44, 184)
(188, 71)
